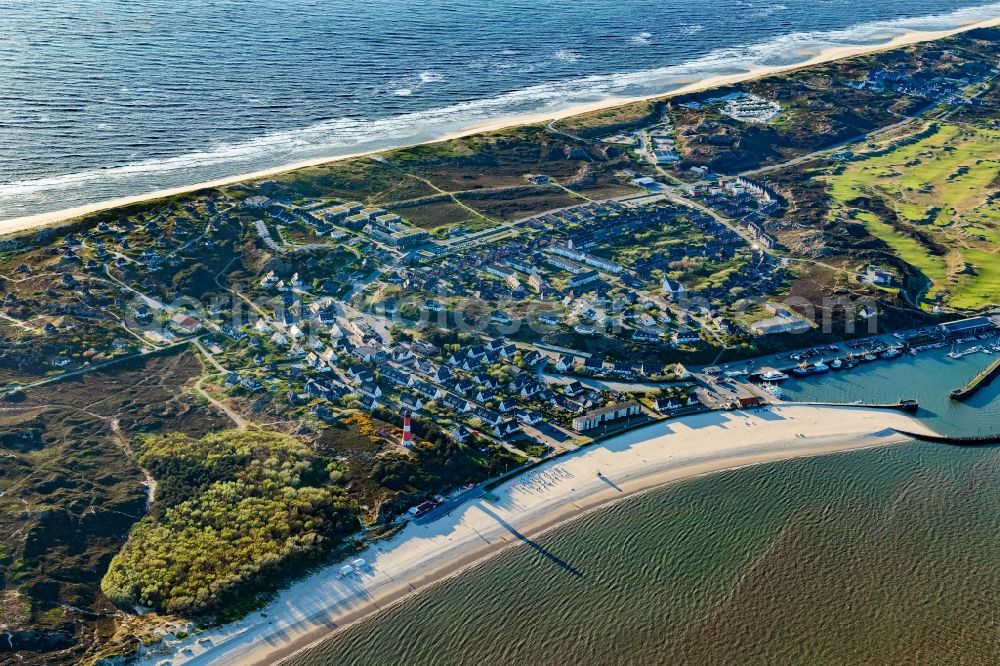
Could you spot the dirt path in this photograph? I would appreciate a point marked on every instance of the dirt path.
(150, 482)
(241, 423)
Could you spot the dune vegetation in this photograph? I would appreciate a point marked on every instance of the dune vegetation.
(234, 509)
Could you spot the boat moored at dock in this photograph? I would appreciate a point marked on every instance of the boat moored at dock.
(806, 369)
(774, 376)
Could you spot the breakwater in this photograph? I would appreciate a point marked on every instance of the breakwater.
(953, 440)
(984, 378)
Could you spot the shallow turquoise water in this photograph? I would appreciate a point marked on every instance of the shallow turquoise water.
(928, 377)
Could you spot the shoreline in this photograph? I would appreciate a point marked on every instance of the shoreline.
(28, 222)
(564, 489)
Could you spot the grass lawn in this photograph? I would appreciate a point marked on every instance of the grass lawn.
(908, 249)
(980, 289)
(941, 183)
(944, 175)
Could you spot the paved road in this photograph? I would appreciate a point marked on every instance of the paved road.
(621, 386)
(450, 505)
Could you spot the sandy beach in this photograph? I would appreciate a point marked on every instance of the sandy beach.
(19, 224)
(523, 508)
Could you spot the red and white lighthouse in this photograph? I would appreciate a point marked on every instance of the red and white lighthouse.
(407, 433)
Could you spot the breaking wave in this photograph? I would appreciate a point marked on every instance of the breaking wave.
(642, 39)
(341, 136)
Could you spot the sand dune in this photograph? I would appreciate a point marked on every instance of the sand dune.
(521, 509)
(17, 224)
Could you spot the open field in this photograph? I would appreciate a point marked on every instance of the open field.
(942, 179)
(935, 268)
(516, 204)
(433, 212)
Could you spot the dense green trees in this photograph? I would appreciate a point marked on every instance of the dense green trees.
(434, 467)
(233, 510)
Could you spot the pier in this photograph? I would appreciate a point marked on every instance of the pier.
(979, 381)
(909, 405)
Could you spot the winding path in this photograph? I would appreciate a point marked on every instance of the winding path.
(234, 416)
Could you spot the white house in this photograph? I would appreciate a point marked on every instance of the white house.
(674, 290)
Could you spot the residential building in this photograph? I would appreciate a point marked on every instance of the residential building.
(186, 323)
(674, 290)
(605, 415)
(582, 279)
(686, 336)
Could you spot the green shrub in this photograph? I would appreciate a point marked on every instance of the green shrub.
(233, 511)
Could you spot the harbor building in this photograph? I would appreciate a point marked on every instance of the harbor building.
(963, 327)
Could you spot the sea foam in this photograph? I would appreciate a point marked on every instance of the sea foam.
(340, 136)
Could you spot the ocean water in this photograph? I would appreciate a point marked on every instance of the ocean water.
(883, 556)
(107, 98)
(880, 556)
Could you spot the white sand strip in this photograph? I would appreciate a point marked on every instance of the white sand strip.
(542, 498)
(17, 224)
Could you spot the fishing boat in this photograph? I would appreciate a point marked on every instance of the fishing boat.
(774, 390)
(892, 352)
(867, 358)
(836, 364)
(807, 369)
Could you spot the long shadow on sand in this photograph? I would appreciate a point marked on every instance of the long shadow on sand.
(555, 559)
(708, 420)
(610, 483)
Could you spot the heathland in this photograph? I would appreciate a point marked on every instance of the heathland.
(208, 392)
